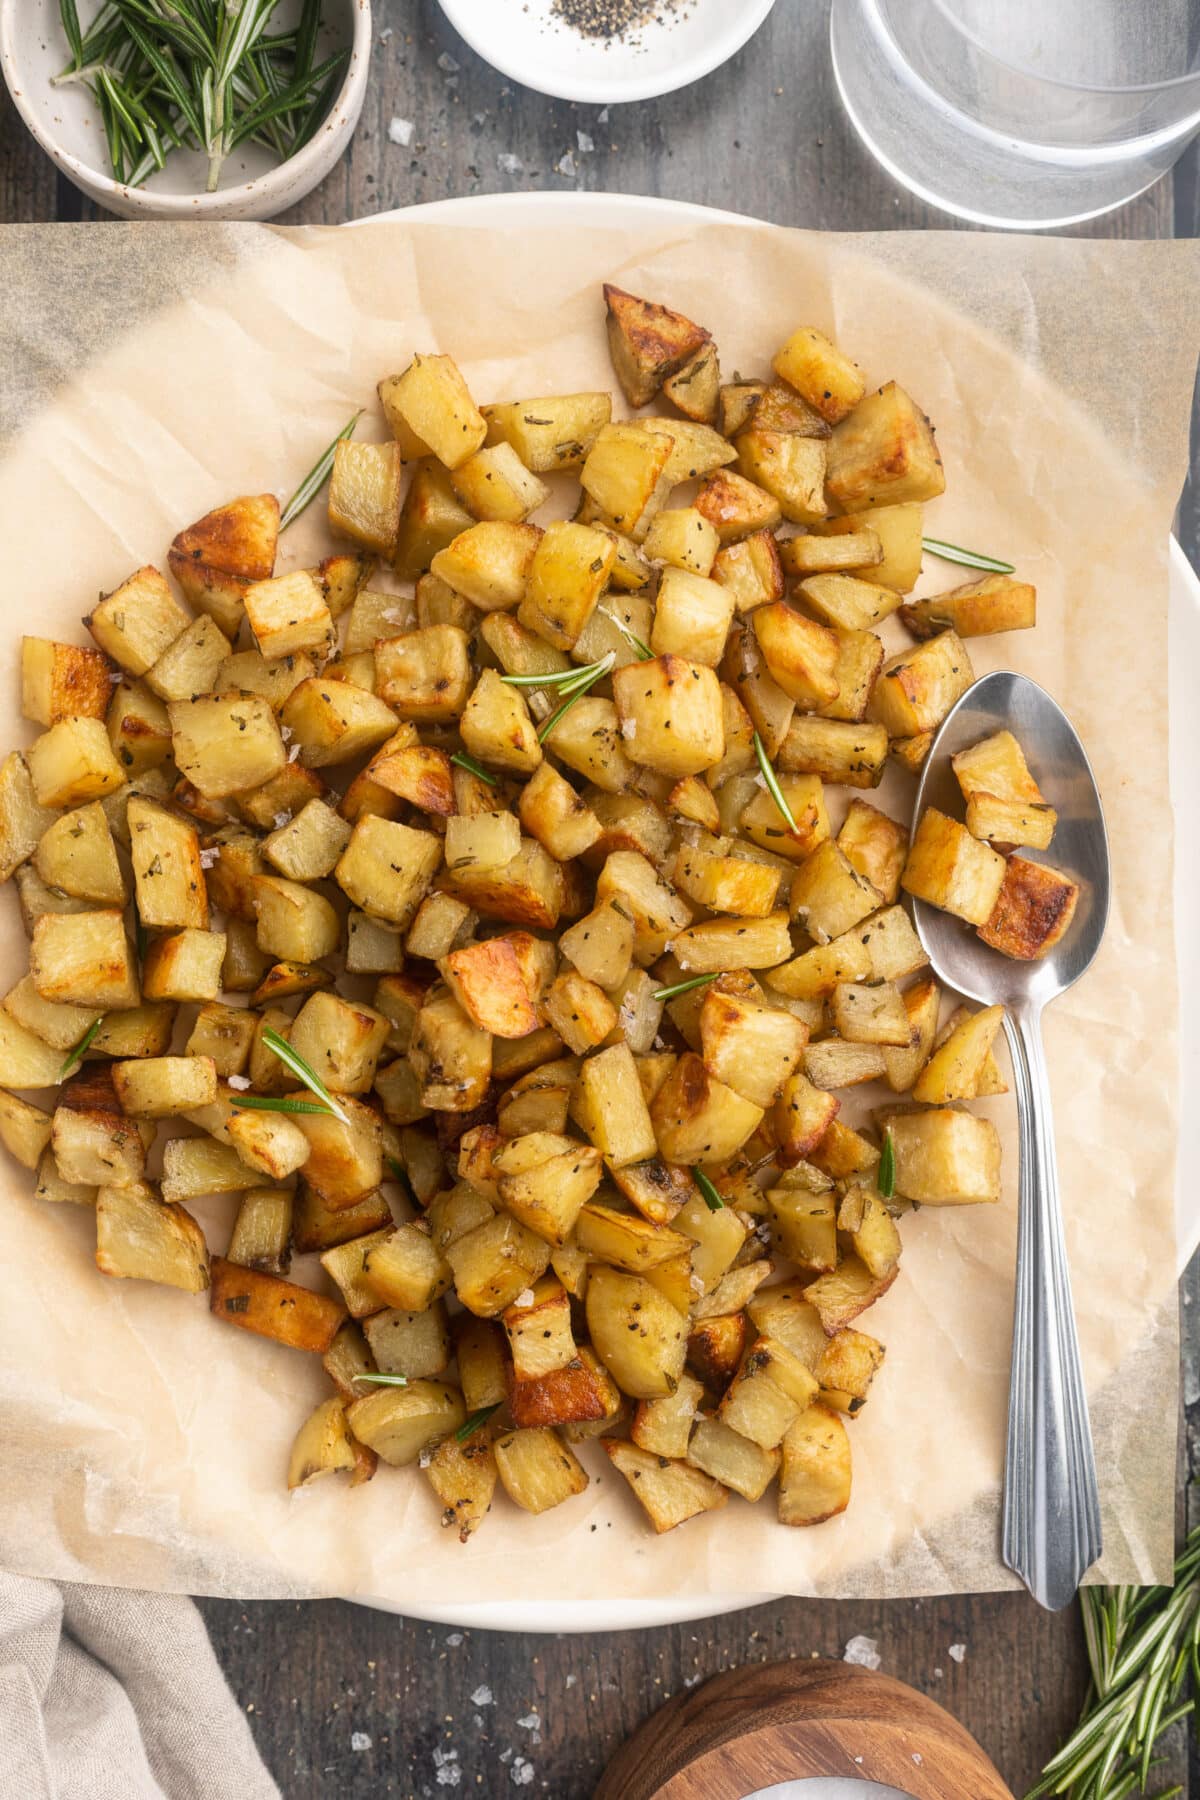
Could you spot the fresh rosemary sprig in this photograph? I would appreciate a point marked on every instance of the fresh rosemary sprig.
(201, 74)
(316, 478)
(587, 678)
(684, 987)
(276, 1103)
(291, 1059)
(885, 1175)
(711, 1198)
(384, 1380)
(473, 768)
(1143, 1645)
(970, 559)
(470, 1426)
(77, 1052)
(564, 679)
(773, 787)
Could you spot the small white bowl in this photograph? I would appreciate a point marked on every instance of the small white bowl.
(66, 123)
(524, 40)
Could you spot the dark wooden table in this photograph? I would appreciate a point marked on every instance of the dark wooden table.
(349, 1703)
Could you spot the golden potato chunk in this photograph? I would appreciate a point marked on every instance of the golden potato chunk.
(216, 558)
(140, 1239)
(917, 688)
(815, 1474)
(789, 468)
(432, 401)
(63, 681)
(364, 494)
(487, 981)
(137, 621)
(1032, 911)
(994, 603)
(945, 1157)
(495, 484)
(950, 869)
(73, 762)
(84, 959)
(698, 1119)
(884, 452)
(625, 476)
(820, 373)
(225, 744)
(550, 432)
(752, 1047)
(568, 573)
(800, 654)
(636, 1332)
(425, 674)
(669, 1492)
(671, 714)
(647, 342)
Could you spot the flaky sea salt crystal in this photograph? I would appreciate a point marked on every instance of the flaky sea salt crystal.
(359, 1740)
(530, 1722)
(566, 165)
(293, 753)
(447, 64)
(524, 1298)
(282, 819)
(482, 1695)
(209, 855)
(400, 131)
(508, 163)
(521, 1772)
(240, 1082)
(586, 142)
(863, 1651)
(958, 1652)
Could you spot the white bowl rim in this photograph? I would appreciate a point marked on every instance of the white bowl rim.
(466, 17)
(287, 175)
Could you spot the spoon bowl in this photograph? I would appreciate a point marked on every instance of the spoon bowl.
(999, 702)
(1051, 1517)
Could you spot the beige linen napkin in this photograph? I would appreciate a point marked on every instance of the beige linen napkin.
(113, 1695)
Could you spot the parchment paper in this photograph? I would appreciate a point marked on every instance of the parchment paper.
(155, 372)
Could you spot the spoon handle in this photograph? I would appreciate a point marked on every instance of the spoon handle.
(1051, 1503)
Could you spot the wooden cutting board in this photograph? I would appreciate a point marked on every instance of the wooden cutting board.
(751, 1728)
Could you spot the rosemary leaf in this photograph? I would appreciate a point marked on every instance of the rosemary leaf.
(712, 1199)
(470, 1426)
(384, 1380)
(77, 1052)
(644, 651)
(563, 679)
(277, 1103)
(473, 768)
(970, 559)
(773, 787)
(591, 676)
(291, 1059)
(70, 25)
(885, 1178)
(316, 478)
(684, 987)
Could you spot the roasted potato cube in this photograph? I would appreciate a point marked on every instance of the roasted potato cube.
(950, 869)
(600, 945)
(801, 1117)
(618, 625)
(24, 1130)
(769, 1392)
(748, 1045)
(872, 1231)
(737, 507)
(850, 753)
(425, 675)
(725, 944)
(157, 1087)
(536, 1469)
(751, 571)
(625, 1240)
(1004, 803)
(892, 944)
(262, 1231)
(322, 1446)
(139, 1238)
(870, 1013)
(76, 855)
(463, 1476)
(820, 373)
(84, 959)
(844, 602)
(589, 738)
(763, 823)
(696, 450)
(698, 1119)
(744, 668)
(63, 681)
(884, 452)
(834, 1063)
(957, 1065)
(433, 401)
(812, 554)
(345, 1162)
(732, 1459)
(289, 613)
(526, 890)
(656, 910)
(839, 1297)
(945, 1158)
(52, 1188)
(489, 563)
(450, 1055)
(137, 621)
(550, 432)
(190, 664)
(815, 1475)
(800, 654)
(22, 819)
(994, 603)
(716, 1347)
(846, 1369)
(859, 660)
(921, 1003)
(669, 1492)
(910, 752)
(899, 530)
(216, 558)
(695, 388)
(400, 1423)
(545, 1180)
(225, 744)
(625, 475)
(874, 845)
(387, 867)
(495, 484)
(804, 1226)
(294, 922)
(580, 1012)
(364, 494)
(692, 616)
(333, 721)
(917, 688)
(682, 538)
(671, 714)
(487, 982)
(609, 1106)
(139, 728)
(168, 868)
(341, 1040)
(316, 1227)
(26, 1060)
(308, 846)
(816, 972)
(481, 841)
(789, 468)
(479, 1347)
(496, 726)
(663, 1427)
(647, 342)
(405, 1270)
(73, 762)
(431, 517)
(540, 1338)
(495, 1262)
(636, 1332)
(829, 896)
(184, 965)
(1032, 912)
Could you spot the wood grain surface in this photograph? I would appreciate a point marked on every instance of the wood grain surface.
(347, 1704)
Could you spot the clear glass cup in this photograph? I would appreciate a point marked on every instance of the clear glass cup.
(1021, 113)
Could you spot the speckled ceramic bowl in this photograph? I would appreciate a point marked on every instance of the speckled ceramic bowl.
(66, 123)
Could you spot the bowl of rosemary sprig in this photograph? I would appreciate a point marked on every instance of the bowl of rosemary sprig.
(198, 109)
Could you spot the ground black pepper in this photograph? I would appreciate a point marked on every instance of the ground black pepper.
(610, 19)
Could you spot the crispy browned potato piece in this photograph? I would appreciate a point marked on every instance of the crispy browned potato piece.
(647, 342)
(273, 1307)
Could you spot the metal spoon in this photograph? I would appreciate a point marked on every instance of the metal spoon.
(1051, 1531)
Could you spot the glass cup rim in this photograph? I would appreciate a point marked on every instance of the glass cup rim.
(1189, 78)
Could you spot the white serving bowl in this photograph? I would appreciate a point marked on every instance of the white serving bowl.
(524, 40)
(66, 123)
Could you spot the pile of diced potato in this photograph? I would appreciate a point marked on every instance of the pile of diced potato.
(559, 1204)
